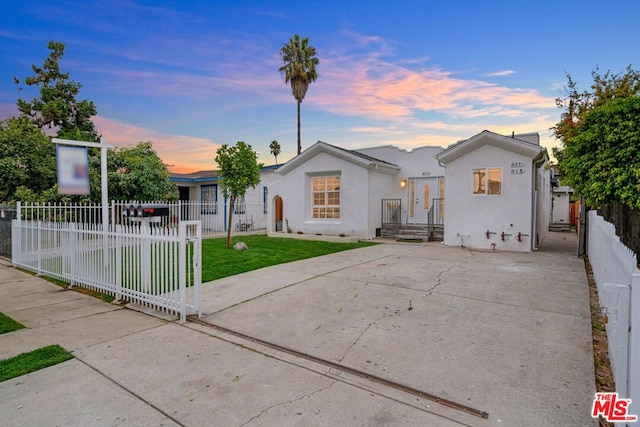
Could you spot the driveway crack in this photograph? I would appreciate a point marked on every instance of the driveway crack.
(438, 282)
(264, 411)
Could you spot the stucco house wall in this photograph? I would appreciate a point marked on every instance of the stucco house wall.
(418, 167)
(468, 216)
(516, 211)
(358, 186)
(543, 199)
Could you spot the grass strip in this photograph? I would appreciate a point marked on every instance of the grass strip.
(264, 251)
(32, 361)
(7, 324)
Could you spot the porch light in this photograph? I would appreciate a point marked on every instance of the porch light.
(403, 183)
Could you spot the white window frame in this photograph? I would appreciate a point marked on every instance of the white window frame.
(482, 186)
(209, 204)
(326, 211)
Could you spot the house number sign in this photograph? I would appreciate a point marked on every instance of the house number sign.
(517, 168)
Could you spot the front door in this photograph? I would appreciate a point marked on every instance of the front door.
(278, 214)
(421, 193)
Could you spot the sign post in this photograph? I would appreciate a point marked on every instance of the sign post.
(103, 188)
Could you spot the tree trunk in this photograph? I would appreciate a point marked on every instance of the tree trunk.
(232, 202)
(299, 142)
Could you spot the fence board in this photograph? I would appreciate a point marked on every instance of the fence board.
(617, 277)
(148, 265)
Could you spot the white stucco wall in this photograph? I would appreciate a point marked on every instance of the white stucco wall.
(469, 216)
(359, 187)
(543, 196)
(416, 163)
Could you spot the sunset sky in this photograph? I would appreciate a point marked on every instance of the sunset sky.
(192, 75)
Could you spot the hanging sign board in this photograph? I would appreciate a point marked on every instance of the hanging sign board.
(73, 169)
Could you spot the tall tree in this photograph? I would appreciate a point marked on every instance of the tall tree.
(602, 162)
(299, 63)
(275, 149)
(57, 106)
(238, 169)
(576, 104)
(599, 132)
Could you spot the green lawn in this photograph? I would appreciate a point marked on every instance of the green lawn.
(219, 262)
(7, 324)
(33, 361)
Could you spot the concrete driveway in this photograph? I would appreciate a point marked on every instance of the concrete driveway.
(498, 333)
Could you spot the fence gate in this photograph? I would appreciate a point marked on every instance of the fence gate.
(7, 214)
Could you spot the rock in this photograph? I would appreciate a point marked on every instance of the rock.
(240, 246)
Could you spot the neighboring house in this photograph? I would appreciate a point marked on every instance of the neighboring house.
(201, 198)
(498, 192)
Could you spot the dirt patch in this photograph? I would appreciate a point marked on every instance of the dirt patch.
(603, 373)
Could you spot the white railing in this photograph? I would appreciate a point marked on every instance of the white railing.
(247, 218)
(615, 271)
(144, 263)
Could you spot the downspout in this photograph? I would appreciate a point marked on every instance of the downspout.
(369, 202)
(535, 200)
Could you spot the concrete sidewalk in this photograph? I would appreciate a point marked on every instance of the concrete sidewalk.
(505, 333)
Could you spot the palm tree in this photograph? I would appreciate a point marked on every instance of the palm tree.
(299, 64)
(275, 149)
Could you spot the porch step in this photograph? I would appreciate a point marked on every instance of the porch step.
(559, 226)
(420, 232)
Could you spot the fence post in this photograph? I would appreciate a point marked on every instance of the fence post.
(634, 346)
(182, 269)
(118, 260)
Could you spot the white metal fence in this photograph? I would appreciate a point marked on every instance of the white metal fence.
(246, 218)
(615, 271)
(142, 262)
(212, 216)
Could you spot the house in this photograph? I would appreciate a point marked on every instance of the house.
(332, 191)
(201, 198)
(498, 192)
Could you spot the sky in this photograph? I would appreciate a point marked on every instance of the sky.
(193, 75)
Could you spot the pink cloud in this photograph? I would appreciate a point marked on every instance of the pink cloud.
(181, 153)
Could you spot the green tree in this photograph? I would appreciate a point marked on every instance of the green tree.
(576, 104)
(238, 169)
(602, 161)
(299, 63)
(594, 154)
(135, 173)
(57, 106)
(275, 149)
(27, 159)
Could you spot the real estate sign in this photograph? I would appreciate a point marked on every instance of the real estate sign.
(73, 169)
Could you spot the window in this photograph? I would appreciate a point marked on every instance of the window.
(265, 193)
(209, 199)
(325, 196)
(487, 181)
(240, 207)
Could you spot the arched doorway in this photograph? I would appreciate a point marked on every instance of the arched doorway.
(278, 213)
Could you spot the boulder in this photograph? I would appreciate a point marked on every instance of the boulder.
(240, 246)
